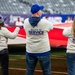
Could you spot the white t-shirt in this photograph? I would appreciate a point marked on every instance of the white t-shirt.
(71, 40)
(5, 34)
(68, 21)
(19, 23)
(37, 40)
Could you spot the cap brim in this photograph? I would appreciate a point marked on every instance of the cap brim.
(41, 7)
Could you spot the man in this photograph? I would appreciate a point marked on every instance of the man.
(37, 42)
(18, 22)
(69, 20)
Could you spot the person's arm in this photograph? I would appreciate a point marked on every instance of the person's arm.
(67, 32)
(9, 34)
(49, 25)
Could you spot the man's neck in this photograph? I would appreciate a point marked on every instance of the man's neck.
(35, 15)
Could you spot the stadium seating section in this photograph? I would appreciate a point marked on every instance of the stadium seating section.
(51, 6)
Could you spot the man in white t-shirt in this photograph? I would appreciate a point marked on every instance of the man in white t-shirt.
(18, 22)
(37, 41)
(69, 20)
(58, 20)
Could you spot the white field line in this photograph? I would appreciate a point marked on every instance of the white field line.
(21, 69)
(38, 71)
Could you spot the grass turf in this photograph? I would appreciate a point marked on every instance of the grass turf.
(58, 63)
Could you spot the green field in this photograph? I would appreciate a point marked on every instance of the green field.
(17, 64)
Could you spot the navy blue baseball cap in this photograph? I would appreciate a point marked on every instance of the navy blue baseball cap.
(35, 8)
(1, 19)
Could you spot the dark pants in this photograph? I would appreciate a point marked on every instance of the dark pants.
(70, 63)
(44, 61)
(4, 59)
